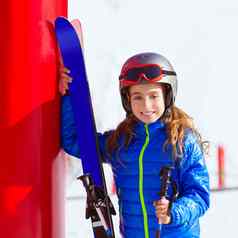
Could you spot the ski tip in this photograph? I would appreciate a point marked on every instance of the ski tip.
(61, 21)
(76, 22)
(78, 28)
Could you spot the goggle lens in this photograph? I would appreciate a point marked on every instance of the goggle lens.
(151, 73)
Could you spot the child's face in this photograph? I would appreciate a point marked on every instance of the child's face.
(147, 102)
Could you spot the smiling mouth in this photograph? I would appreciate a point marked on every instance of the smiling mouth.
(147, 113)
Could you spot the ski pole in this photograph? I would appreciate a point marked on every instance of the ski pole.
(95, 200)
(165, 174)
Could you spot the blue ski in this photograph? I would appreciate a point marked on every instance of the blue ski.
(99, 206)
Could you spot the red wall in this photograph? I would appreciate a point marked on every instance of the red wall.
(31, 176)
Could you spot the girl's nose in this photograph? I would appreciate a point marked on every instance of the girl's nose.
(147, 103)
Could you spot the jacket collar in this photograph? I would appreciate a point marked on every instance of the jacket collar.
(152, 127)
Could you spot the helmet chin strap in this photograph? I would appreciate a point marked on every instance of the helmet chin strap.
(127, 104)
(168, 104)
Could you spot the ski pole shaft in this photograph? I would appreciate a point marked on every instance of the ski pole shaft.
(159, 229)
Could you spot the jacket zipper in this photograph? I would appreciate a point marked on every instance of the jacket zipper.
(145, 216)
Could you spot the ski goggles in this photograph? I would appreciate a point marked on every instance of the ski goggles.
(151, 73)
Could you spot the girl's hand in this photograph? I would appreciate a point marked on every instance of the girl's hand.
(162, 210)
(64, 80)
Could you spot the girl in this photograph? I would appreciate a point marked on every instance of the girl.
(154, 134)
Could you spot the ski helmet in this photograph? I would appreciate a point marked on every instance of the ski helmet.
(147, 68)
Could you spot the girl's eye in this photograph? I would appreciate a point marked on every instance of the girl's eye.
(136, 98)
(154, 96)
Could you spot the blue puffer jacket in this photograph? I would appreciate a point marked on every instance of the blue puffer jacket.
(136, 171)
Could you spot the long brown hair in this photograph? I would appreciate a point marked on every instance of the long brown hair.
(176, 121)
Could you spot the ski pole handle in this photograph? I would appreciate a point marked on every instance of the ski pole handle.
(165, 174)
